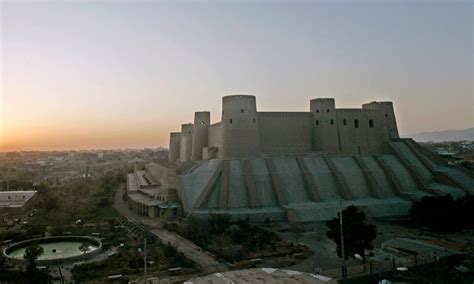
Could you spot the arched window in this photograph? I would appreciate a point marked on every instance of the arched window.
(317, 122)
(344, 122)
(230, 121)
(356, 123)
(327, 110)
(317, 110)
(332, 121)
(242, 110)
(254, 120)
(371, 123)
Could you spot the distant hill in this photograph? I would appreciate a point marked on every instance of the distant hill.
(445, 135)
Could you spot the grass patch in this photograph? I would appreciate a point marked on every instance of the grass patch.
(103, 214)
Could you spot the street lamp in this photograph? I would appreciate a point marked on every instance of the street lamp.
(144, 258)
(343, 252)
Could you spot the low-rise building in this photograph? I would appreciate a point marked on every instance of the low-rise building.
(147, 196)
(15, 202)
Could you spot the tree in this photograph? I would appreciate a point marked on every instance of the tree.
(358, 235)
(50, 202)
(84, 247)
(443, 214)
(31, 254)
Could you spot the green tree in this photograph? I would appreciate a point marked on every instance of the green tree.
(358, 235)
(31, 254)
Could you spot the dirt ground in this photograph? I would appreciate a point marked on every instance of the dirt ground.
(324, 249)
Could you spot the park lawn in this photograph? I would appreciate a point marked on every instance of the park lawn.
(103, 214)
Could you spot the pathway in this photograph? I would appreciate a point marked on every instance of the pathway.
(205, 259)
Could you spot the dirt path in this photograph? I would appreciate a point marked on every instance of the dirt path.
(205, 259)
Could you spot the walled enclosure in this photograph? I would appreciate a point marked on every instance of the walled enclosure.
(243, 132)
(298, 166)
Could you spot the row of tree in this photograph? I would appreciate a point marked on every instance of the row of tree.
(443, 214)
(78, 199)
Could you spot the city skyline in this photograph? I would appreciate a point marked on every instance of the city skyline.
(123, 75)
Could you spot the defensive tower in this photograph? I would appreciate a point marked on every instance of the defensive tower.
(391, 121)
(173, 154)
(240, 129)
(324, 124)
(202, 120)
(186, 143)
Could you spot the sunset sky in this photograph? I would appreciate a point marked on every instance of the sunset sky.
(110, 74)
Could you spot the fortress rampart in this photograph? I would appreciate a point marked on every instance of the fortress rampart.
(302, 166)
(246, 133)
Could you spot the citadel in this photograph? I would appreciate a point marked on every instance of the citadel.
(292, 166)
(245, 133)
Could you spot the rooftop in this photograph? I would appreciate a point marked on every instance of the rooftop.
(262, 275)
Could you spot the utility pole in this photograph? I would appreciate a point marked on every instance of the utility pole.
(343, 252)
(144, 259)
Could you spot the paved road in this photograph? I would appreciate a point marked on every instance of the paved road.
(205, 259)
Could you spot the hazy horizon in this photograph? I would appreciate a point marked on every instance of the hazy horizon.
(107, 75)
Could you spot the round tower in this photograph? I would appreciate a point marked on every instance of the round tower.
(202, 120)
(186, 142)
(173, 154)
(240, 130)
(324, 125)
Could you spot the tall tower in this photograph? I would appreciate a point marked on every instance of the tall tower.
(240, 130)
(389, 114)
(202, 120)
(324, 125)
(186, 142)
(173, 154)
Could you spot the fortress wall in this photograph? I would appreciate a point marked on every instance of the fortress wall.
(246, 133)
(237, 194)
(164, 175)
(285, 132)
(173, 155)
(192, 184)
(240, 127)
(379, 175)
(367, 137)
(263, 184)
(215, 135)
(291, 178)
(353, 176)
(323, 178)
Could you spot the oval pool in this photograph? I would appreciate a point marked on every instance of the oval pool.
(55, 248)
